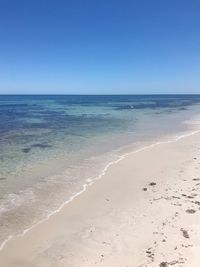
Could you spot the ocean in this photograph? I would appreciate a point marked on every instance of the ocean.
(52, 147)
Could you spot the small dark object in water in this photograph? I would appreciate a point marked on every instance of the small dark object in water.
(197, 203)
(144, 189)
(41, 146)
(196, 179)
(2, 178)
(26, 150)
(185, 233)
(194, 158)
(191, 211)
(152, 184)
(163, 264)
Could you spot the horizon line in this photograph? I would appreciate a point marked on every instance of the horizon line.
(147, 94)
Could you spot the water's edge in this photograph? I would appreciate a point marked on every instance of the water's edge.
(91, 181)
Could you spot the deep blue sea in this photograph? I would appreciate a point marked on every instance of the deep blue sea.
(50, 146)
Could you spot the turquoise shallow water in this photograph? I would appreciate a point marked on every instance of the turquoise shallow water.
(51, 145)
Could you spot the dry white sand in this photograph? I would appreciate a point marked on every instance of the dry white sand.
(145, 211)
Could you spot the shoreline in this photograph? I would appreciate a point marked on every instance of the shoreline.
(103, 173)
(91, 181)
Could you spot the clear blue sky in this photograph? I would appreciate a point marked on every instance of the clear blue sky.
(99, 46)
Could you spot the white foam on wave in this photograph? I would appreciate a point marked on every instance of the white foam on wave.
(90, 181)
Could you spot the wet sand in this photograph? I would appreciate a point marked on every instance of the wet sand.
(145, 211)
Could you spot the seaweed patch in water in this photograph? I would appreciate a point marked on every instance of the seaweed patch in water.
(26, 150)
(41, 145)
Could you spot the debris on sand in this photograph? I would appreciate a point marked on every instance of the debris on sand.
(163, 264)
(196, 179)
(152, 184)
(185, 233)
(190, 211)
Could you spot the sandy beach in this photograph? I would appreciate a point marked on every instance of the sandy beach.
(144, 211)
